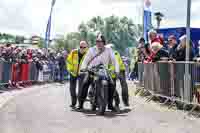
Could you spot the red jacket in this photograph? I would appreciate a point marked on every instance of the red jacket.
(153, 54)
(158, 39)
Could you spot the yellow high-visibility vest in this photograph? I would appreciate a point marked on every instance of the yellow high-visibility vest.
(121, 64)
(73, 65)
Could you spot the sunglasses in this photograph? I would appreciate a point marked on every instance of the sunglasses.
(82, 47)
(98, 41)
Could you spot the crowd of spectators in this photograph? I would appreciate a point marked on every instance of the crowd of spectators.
(19, 55)
(158, 49)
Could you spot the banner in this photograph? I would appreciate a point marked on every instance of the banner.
(147, 24)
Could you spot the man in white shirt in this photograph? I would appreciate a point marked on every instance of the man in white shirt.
(105, 56)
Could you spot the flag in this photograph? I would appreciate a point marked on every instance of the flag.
(147, 24)
(48, 28)
(47, 34)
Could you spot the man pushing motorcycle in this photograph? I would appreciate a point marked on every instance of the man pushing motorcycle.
(96, 55)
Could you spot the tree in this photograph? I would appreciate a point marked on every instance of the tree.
(83, 29)
(7, 38)
(68, 42)
(122, 32)
(41, 43)
(19, 39)
(96, 24)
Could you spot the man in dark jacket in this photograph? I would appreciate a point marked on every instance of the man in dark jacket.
(61, 63)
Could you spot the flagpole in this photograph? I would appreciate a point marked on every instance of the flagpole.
(48, 28)
(143, 17)
(49, 21)
(187, 87)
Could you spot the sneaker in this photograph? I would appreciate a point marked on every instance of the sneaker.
(79, 109)
(126, 104)
(117, 109)
(111, 108)
(73, 106)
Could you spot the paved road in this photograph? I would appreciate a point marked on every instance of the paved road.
(45, 110)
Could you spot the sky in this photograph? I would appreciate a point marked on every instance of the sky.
(29, 17)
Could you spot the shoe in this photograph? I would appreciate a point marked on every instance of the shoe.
(73, 106)
(79, 109)
(100, 113)
(126, 104)
(111, 108)
(117, 109)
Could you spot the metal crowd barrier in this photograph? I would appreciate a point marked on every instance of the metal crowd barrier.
(14, 74)
(166, 79)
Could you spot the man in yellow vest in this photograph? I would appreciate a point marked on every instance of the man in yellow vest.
(74, 61)
(122, 78)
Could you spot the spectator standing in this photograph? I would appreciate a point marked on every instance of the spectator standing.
(172, 46)
(61, 63)
(181, 50)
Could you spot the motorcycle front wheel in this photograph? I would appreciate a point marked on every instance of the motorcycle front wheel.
(102, 96)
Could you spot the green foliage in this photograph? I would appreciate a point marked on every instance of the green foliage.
(41, 43)
(8, 38)
(19, 39)
(122, 32)
(4, 38)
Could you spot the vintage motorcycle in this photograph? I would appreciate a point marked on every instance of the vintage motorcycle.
(100, 77)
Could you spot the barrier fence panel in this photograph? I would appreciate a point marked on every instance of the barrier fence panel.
(196, 75)
(46, 72)
(16, 74)
(24, 72)
(7, 72)
(164, 80)
(167, 79)
(29, 72)
(1, 71)
(180, 71)
(141, 73)
(148, 77)
(33, 72)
